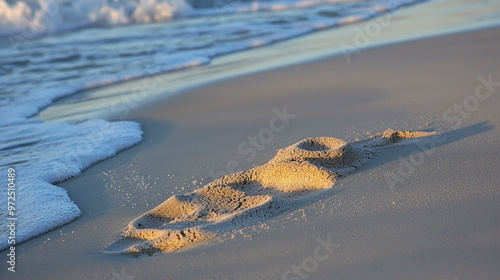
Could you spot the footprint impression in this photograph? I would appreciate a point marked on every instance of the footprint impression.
(241, 199)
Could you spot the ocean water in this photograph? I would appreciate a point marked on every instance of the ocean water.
(51, 49)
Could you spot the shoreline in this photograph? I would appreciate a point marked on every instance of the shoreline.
(402, 86)
(419, 21)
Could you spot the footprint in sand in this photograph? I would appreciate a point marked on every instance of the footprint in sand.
(241, 199)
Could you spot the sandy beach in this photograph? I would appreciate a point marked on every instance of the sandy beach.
(423, 210)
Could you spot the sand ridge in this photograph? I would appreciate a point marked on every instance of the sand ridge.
(244, 198)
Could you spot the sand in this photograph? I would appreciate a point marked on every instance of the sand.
(242, 199)
(416, 211)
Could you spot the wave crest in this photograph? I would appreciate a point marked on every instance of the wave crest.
(49, 16)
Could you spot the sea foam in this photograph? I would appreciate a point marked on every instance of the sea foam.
(46, 16)
(46, 153)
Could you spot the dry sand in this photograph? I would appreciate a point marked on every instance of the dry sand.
(427, 211)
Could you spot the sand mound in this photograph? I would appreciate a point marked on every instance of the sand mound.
(244, 198)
